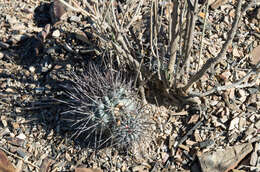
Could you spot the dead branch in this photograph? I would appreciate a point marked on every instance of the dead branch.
(203, 34)
(190, 37)
(212, 61)
(237, 84)
(174, 39)
(153, 39)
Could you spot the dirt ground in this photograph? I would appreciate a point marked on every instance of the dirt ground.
(32, 73)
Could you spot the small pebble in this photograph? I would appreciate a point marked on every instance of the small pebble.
(19, 27)
(3, 120)
(32, 69)
(253, 159)
(21, 136)
(51, 50)
(4, 132)
(11, 20)
(39, 90)
(56, 34)
(68, 66)
(234, 123)
(75, 19)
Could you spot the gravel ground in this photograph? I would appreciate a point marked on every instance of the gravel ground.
(31, 73)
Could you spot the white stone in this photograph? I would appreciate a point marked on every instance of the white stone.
(234, 123)
(21, 136)
(56, 34)
(32, 69)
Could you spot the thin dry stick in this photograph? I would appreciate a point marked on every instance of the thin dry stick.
(125, 13)
(210, 62)
(182, 31)
(114, 17)
(151, 34)
(187, 29)
(161, 17)
(87, 4)
(203, 34)
(187, 52)
(105, 13)
(156, 29)
(233, 85)
(153, 29)
(137, 12)
(77, 8)
(25, 161)
(174, 39)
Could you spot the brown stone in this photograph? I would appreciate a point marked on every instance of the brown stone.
(224, 160)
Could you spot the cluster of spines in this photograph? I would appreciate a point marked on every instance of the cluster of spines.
(104, 109)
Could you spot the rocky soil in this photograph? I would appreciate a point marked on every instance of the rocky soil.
(36, 57)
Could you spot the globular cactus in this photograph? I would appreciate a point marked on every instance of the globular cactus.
(104, 109)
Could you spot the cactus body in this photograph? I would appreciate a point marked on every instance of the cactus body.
(104, 109)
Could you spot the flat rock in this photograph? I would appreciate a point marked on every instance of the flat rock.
(224, 160)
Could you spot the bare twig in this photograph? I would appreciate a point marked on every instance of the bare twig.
(203, 34)
(155, 42)
(151, 34)
(237, 84)
(77, 8)
(174, 39)
(114, 17)
(183, 139)
(105, 13)
(190, 39)
(137, 12)
(212, 61)
(182, 31)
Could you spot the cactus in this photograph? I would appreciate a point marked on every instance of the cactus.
(106, 109)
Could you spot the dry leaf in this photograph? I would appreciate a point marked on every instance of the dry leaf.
(5, 165)
(255, 55)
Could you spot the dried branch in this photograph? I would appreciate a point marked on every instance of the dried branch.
(137, 12)
(183, 30)
(155, 42)
(114, 18)
(190, 39)
(203, 34)
(77, 8)
(174, 39)
(212, 61)
(237, 84)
